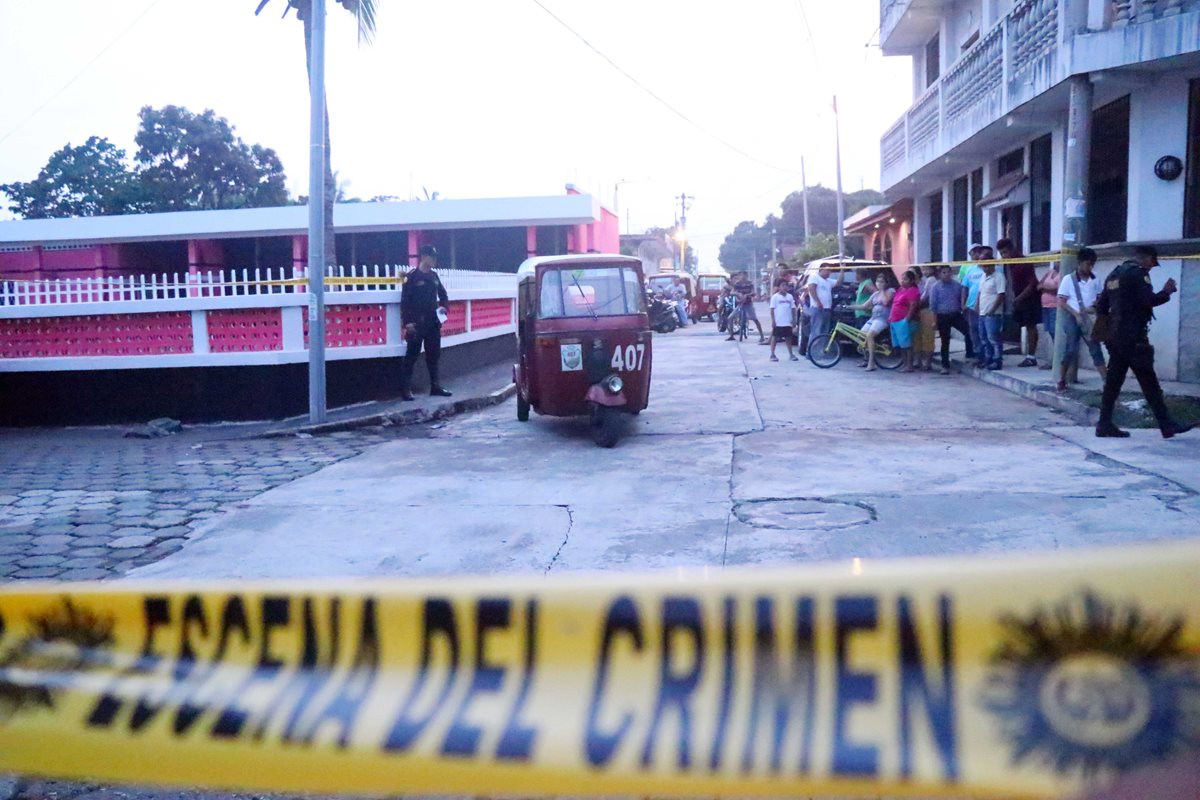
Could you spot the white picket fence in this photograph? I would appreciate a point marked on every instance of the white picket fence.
(235, 283)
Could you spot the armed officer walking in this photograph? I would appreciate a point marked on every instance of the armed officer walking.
(1129, 300)
(422, 298)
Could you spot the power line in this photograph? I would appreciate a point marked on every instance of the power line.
(807, 28)
(81, 71)
(663, 102)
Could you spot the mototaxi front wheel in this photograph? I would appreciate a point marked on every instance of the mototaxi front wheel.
(605, 424)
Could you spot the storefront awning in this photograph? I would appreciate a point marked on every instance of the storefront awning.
(876, 216)
(1009, 190)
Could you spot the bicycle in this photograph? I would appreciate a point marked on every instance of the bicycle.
(737, 323)
(825, 350)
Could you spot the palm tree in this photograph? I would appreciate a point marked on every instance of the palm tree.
(364, 14)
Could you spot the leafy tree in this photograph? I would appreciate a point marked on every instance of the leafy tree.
(364, 14)
(189, 161)
(747, 246)
(819, 245)
(750, 240)
(184, 161)
(90, 180)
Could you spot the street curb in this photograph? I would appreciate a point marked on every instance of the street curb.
(414, 416)
(1081, 413)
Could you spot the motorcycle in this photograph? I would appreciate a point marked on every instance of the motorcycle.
(726, 305)
(663, 318)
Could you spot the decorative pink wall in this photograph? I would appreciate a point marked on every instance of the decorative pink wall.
(353, 326)
(490, 313)
(245, 330)
(109, 335)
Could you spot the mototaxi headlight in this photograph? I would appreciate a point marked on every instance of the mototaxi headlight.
(613, 384)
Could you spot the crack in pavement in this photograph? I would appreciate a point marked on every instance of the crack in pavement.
(1169, 501)
(566, 537)
(1112, 463)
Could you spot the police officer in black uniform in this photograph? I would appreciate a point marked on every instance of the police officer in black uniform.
(1129, 300)
(421, 297)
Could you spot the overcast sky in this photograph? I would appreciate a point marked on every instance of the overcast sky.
(483, 98)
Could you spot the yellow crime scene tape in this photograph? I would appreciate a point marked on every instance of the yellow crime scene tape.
(1045, 258)
(1035, 677)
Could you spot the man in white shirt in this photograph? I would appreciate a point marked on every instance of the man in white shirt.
(1077, 318)
(783, 314)
(991, 314)
(820, 301)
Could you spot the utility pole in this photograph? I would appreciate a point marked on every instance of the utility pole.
(1076, 179)
(841, 206)
(804, 195)
(681, 233)
(316, 217)
(1075, 228)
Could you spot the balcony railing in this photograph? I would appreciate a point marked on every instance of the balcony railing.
(1023, 55)
(1127, 11)
(1011, 62)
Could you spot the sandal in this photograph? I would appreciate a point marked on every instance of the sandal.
(774, 357)
(793, 358)
(871, 369)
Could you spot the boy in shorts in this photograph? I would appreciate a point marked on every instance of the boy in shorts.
(783, 314)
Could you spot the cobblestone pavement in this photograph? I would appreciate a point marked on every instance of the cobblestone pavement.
(90, 504)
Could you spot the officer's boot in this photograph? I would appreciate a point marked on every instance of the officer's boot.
(406, 381)
(435, 388)
(1105, 428)
(1166, 423)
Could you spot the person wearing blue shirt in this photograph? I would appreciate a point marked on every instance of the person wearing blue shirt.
(945, 301)
(969, 275)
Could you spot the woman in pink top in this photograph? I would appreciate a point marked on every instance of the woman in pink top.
(906, 303)
(1048, 286)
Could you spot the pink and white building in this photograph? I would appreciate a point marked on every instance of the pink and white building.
(201, 315)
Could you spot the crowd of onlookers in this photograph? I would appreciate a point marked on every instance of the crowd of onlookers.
(926, 305)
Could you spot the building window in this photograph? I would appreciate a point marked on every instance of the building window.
(1011, 162)
(976, 211)
(1191, 203)
(887, 248)
(877, 248)
(970, 42)
(935, 226)
(933, 60)
(961, 215)
(1108, 192)
(1039, 195)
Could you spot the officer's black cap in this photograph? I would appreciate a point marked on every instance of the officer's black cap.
(428, 250)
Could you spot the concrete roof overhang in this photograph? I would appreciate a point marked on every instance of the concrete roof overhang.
(506, 212)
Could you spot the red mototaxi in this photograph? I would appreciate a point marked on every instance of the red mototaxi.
(581, 320)
(708, 290)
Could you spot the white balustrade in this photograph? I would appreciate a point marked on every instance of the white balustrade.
(235, 283)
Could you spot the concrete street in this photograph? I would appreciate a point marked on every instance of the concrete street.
(738, 460)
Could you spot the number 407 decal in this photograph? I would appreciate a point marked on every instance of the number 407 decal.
(628, 358)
